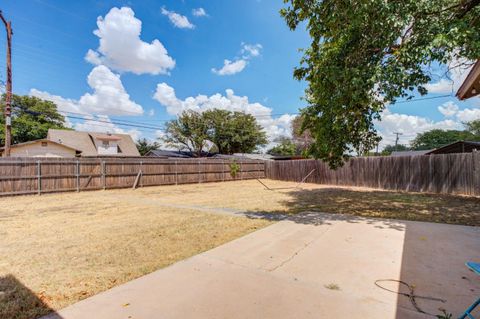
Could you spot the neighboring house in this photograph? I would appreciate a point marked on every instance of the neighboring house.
(457, 147)
(93, 144)
(409, 153)
(42, 148)
(169, 154)
(471, 85)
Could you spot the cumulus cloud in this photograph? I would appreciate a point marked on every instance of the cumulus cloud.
(274, 127)
(251, 50)
(178, 20)
(454, 78)
(442, 86)
(248, 51)
(448, 109)
(109, 97)
(409, 126)
(231, 67)
(199, 12)
(121, 48)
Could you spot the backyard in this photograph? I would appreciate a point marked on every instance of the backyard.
(61, 248)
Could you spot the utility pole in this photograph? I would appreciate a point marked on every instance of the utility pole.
(8, 99)
(396, 139)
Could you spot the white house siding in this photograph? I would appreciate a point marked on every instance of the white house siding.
(37, 150)
(112, 148)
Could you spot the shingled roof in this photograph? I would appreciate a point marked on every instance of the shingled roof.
(84, 141)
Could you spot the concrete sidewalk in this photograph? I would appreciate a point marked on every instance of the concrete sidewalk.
(319, 267)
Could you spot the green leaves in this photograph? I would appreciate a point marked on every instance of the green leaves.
(230, 132)
(366, 53)
(31, 118)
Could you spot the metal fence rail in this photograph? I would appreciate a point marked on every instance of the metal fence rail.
(20, 176)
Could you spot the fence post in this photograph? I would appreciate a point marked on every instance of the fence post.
(476, 172)
(176, 173)
(223, 171)
(104, 179)
(39, 178)
(199, 181)
(77, 173)
(141, 170)
(241, 170)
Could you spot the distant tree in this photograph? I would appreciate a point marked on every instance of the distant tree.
(31, 118)
(366, 54)
(233, 132)
(473, 127)
(438, 138)
(302, 137)
(285, 146)
(188, 132)
(387, 150)
(144, 146)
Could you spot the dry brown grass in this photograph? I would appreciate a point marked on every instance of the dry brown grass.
(253, 197)
(60, 248)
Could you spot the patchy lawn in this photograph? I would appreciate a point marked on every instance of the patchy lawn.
(251, 196)
(60, 248)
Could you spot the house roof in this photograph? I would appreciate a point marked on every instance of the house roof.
(471, 85)
(84, 141)
(38, 141)
(457, 147)
(409, 153)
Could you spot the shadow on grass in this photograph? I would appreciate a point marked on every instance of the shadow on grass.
(304, 206)
(19, 302)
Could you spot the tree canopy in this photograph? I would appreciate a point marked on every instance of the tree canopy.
(144, 146)
(438, 138)
(230, 132)
(364, 54)
(234, 132)
(285, 146)
(31, 118)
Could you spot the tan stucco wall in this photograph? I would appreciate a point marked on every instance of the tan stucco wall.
(37, 150)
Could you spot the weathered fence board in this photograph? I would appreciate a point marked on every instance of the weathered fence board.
(20, 176)
(445, 173)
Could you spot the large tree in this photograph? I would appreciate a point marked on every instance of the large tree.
(188, 132)
(230, 132)
(437, 138)
(31, 118)
(366, 53)
(234, 132)
(285, 146)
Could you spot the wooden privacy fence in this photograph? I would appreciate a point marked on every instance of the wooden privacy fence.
(36, 176)
(446, 173)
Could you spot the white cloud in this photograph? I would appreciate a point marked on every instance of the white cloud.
(409, 126)
(103, 124)
(108, 98)
(448, 109)
(199, 12)
(251, 50)
(248, 52)
(442, 86)
(178, 20)
(274, 127)
(230, 68)
(121, 48)
(451, 82)
(467, 115)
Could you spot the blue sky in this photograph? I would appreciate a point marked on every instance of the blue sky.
(178, 62)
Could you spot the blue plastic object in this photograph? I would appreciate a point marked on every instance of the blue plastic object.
(475, 267)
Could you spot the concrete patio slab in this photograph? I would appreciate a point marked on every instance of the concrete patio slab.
(312, 266)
